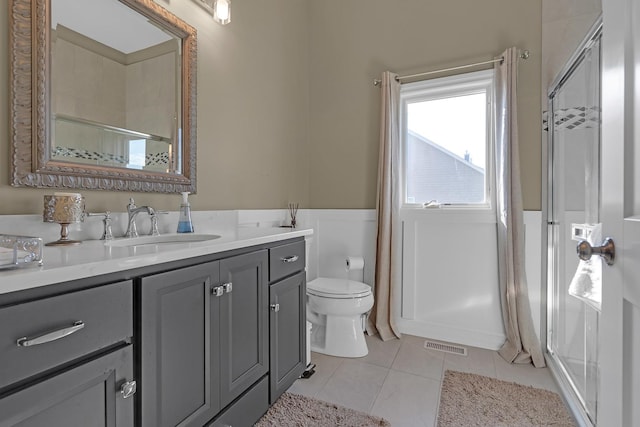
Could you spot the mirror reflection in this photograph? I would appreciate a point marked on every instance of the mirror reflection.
(115, 88)
(103, 96)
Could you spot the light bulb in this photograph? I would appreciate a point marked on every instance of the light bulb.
(222, 11)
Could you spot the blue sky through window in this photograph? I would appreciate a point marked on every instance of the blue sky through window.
(137, 153)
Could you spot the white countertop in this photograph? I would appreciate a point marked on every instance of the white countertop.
(94, 258)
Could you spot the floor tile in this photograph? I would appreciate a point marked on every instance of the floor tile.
(413, 358)
(381, 353)
(354, 384)
(478, 361)
(524, 374)
(400, 380)
(408, 400)
(325, 367)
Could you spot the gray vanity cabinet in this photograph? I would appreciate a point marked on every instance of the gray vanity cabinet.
(243, 322)
(208, 341)
(287, 304)
(87, 395)
(67, 359)
(204, 338)
(287, 300)
(178, 346)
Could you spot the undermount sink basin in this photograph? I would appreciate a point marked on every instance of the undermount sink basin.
(163, 239)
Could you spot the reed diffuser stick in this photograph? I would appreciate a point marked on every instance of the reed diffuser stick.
(293, 211)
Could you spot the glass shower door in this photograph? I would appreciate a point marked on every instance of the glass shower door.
(573, 215)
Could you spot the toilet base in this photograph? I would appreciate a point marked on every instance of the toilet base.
(347, 337)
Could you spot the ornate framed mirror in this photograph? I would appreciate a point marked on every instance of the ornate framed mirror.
(102, 96)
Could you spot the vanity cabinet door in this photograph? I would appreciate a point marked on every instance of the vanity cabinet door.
(179, 347)
(287, 300)
(87, 395)
(244, 321)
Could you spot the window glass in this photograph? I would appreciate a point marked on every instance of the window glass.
(137, 153)
(446, 141)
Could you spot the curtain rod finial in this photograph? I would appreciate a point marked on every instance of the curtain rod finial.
(377, 82)
(525, 54)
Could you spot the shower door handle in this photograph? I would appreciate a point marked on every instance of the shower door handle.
(607, 251)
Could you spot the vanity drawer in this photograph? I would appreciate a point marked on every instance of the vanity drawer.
(32, 335)
(285, 260)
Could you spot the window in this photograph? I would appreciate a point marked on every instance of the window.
(447, 138)
(137, 153)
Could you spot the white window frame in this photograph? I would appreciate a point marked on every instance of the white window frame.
(444, 87)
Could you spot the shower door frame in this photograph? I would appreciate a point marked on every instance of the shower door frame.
(571, 397)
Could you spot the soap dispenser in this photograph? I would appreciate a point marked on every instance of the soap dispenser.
(184, 222)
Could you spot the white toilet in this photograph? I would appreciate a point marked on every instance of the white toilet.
(337, 309)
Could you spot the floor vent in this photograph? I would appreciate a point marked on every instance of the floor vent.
(447, 348)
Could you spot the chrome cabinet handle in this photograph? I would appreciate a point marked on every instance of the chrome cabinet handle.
(607, 251)
(275, 307)
(128, 389)
(50, 336)
(218, 291)
(290, 258)
(228, 287)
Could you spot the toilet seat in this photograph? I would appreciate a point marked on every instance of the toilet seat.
(338, 288)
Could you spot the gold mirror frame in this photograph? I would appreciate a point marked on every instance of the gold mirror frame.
(29, 63)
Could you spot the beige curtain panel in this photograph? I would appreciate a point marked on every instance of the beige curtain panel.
(522, 344)
(388, 263)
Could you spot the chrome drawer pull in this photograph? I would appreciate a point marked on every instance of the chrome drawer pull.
(290, 258)
(228, 287)
(275, 307)
(50, 336)
(217, 291)
(128, 389)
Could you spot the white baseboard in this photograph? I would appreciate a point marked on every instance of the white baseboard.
(451, 334)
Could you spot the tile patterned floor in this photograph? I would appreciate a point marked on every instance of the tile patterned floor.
(400, 379)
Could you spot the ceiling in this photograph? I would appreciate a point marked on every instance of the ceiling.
(108, 22)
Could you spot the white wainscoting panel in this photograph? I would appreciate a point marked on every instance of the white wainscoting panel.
(450, 277)
(337, 235)
(454, 293)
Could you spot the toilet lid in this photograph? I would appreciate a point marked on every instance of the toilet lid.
(338, 288)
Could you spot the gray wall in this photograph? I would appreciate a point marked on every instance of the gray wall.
(565, 23)
(354, 41)
(286, 108)
(252, 112)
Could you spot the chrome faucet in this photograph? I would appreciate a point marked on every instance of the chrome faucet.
(107, 234)
(133, 211)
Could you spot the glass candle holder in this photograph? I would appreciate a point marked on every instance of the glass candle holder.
(65, 209)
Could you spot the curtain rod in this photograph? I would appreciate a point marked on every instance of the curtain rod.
(523, 55)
